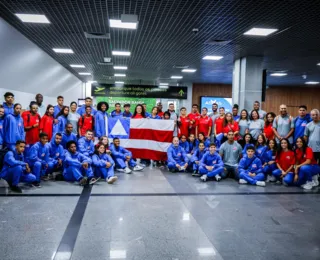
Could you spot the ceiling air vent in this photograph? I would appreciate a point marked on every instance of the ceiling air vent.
(105, 36)
(105, 63)
(216, 42)
(180, 67)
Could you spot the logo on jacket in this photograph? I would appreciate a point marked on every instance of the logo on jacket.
(288, 157)
(42, 155)
(57, 154)
(214, 161)
(179, 154)
(254, 166)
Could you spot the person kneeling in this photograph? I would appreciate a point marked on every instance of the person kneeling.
(15, 169)
(177, 157)
(103, 164)
(211, 164)
(196, 158)
(56, 156)
(250, 169)
(77, 166)
(122, 157)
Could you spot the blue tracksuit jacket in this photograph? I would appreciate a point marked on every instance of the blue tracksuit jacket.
(185, 146)
(86, 147)
(56, 151)
(252, 165)
(114, 113)
(211, 160)
(125, 114)
(13, 129)
(39, 153)
(119, 152)
(61, 125)
(261, 152)
(1, 131)
(176, 154)
(100, 123)
(197, 155)
(74, 160)
(101, 160)
(82, 110)
(7, 110)
(66, 138)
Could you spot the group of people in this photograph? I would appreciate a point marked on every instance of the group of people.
(254, 146)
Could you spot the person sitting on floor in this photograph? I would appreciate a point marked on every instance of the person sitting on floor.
(184, 144)
(15, 169)
(177, 157)
(250, 169)
(103, 165)
(77, 167)
(123, 158)
(211, 164)
(86, 145)
(270, 161)
(56, 154)
(196, 158)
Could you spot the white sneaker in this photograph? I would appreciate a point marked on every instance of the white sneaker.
(315, 180)
(120, 170)
(182, 169)
(204, 177)
(307, 186)
(271, 178)
(261, 183)
(242, 181)
(112, 179)
(127, 170)
(137, 168)
(218, 177)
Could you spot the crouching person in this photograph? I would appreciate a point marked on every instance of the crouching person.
(250, 169)
(15, 169)
(56, 154)
(196, 158)
(123, 158)
(177, 157)
(211, 164)
(103, 164)
(77, 167)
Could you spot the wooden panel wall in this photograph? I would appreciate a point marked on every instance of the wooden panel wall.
(292, 96)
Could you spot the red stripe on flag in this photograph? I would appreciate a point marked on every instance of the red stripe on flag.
(148, 154)
(149, 134)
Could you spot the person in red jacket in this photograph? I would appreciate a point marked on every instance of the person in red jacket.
(194, 117)
(230, 124)
(218, 123)
(31, 121)
(183, 123)
(204, 124)
(139, 112)
(46, 123)
(86, 122)
(268, 131)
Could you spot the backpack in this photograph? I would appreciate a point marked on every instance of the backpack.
(28, 118)
(82, 118)
(3, 152)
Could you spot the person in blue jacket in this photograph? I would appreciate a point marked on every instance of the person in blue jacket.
(8, 105)
(62, 120)
(122, 157)
(196, 158)
(1, 127)
(145, 109)
(13, 128)
(126, 112)
(183, 143)
(177, 157)
(270, 161)
(245, 142)
(211, 164)
(202, 138)
(250, 169)
(261, 148)
(15, 169)
(117, 112)
(154, 114)
(77, 167)
(192, 144)
(86, 145)
(56, 154)
(68, 135)
(101, 119)
(88, 103)
(103, 165)
(300, 123)
(57, 108)
(38, 158)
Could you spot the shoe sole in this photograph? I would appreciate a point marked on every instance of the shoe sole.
(112, 180)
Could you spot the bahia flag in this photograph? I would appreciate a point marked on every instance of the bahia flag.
(145, 138)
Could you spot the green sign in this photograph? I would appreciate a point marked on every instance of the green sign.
(150, 102)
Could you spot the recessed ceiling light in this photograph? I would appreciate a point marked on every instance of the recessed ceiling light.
(119, 82)
(260, 31)
(84, 73)
(119, 75)
(312, 82)
(107, 59)
(189, 70)
(176, 77)
(120, 67)
(121, 53)
(119, 24)
(163, 84)
(318, 64)
(278, 74)
(77, 66)
(57, 50)
(33, 18)
(212, 57)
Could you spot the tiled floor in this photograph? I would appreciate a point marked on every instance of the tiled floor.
(159, 215)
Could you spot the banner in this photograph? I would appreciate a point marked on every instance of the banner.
(142, 91)
(222, 102)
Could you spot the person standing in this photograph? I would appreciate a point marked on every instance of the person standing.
(283, 125)
(73, 117)
(139, 112)
(230, 124)
(86, 122)
(256, 125)
(218, 125)
(268, 130)
(145, 109)
(9, 103)
(1, 127)
(183, 123)
(117, 111)
(243, 123)
(88, 103)
(154, 113)
(214, 115)
(58, 107)
(126, 112)
(235, 111)
(68, 135)
(204, 124)
(101, 119)
(312, 134)
(194, 117)
(256, 106)
(300, 123)
(160, 112)
(41, 106)
(62, 120)
(174, 117)
(46, 122)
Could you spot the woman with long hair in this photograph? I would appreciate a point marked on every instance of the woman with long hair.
(62, 120)
(246, 142)
(101, 118)
(139, 112)
(46, 122)
(243, 123)
(285, 161)
(261, 148)
(154, 113)
(230, 125)
(105, 140)
(256, 124)
(73, 117)
(270, 161)
(268, 132)
(202, 139)
(306, 169)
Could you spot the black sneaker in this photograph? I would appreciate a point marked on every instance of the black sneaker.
(172, 170)
(16, 189)
(36, 184)
(195, 173)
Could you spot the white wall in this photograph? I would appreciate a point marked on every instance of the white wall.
(26, 70)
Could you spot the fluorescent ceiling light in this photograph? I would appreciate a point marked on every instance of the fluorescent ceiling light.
(84, 73)
(33, 18)
(119, 82)
(176, 77)
(121, 53)
(278, 74)
(107, 59)
(120, 67)
(318, 64)
(164, 84)
(212, 57)
(119, 24)
(57, 50)
(77, 66)
(260, 31)
(119, 75)
(189, 70)
(312, 82)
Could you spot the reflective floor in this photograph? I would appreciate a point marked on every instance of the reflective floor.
(154, 215)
